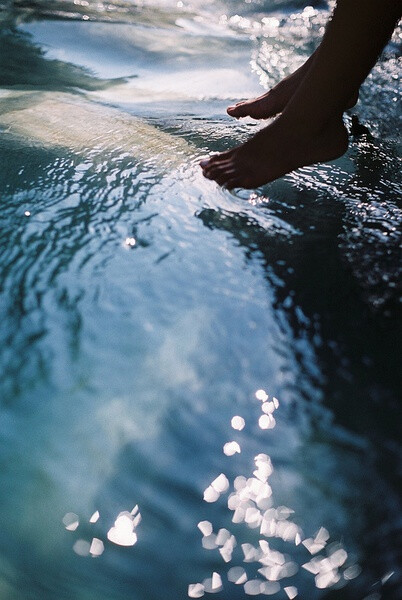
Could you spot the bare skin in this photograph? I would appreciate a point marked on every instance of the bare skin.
(310, 128)
(275, 100)
(246, 166)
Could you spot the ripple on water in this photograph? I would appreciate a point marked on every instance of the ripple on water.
(140, 304)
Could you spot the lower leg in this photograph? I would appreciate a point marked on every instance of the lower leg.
(354, 38)
(275, 100)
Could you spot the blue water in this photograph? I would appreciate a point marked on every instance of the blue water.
(142, 307)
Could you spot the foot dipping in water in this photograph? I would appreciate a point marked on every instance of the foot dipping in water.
(310, 102)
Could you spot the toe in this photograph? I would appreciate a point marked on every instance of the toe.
(206, 163)
(223, 163)
(220, 174)
(241, 109)
(217, 166)
(231, 110)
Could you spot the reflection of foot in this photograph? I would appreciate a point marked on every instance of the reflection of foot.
(274, 101)
(275, 151)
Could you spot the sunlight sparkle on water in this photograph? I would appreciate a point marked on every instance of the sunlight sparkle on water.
(227, 541)
(268, 407)
(205, 527)
(226, 552)
(222, 537)
(130, 241)
(123, 533)
(81, 547)
(324, 580)
(216, 581)
(269, 588)
(211, 495)
(290, 591)
(231, 448)
(317, 543)
(221, 483)
(94, 518)
(209, 542)
(322, 535)
(264, 467)
(352, 572)
(387, 576)
(338, 558)
(252, 505)
(97, 547)
(237, 575)
(213, 584)
(250, 553)
(238, 423)
(71, 521)
(266, 421)
(195, 590)
(253, 587)
(261, 395)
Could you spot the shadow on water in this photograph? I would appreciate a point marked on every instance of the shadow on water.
(354, 336)
(310, 295)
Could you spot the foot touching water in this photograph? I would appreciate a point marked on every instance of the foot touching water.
(275, 151)
(312, 100)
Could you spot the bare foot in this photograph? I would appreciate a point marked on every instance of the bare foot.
(272, 102)
(275, 100)
(275, 151)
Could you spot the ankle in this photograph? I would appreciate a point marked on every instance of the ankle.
(331, 135)
(304, 126)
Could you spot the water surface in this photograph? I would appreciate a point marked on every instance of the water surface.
(142, 307)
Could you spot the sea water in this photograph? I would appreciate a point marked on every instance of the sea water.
(142, 308)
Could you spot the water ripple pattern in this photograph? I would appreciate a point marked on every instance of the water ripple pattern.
(143, 309)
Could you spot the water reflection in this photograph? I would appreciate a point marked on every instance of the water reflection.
(311, 285)
(238, 423)
(231, 448)
(252, 504)
(81, 186)
(122, 533)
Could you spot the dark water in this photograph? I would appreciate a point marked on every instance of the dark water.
(142, 307)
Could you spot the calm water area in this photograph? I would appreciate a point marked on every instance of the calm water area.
(142, 308)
